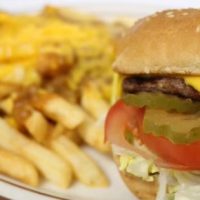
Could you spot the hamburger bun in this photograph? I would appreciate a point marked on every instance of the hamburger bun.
(142, 189)
(167, 42)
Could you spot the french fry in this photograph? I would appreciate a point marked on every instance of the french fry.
(52, 63)
(11, 121)
(28, 118)
(7, 104)
(10, 138)
(92, 133)
(92, 100)
(67, 14)
(74, 136)
(7, 88)
(20, 73)
(37, 125)
(105, 88)
(18, 168)
(85, 168)
(57, 130)
(51, 166)
(59, 109)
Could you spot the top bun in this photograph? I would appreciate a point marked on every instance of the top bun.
(167, 42)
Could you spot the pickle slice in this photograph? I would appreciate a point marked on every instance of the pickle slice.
(159, 100)
(177, 127)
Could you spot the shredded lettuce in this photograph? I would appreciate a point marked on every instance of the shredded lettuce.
(129, 137)
(124, 162)
(191, 192)
(187, 178)
(138, 166)
(170, 197)
(188, 185)
(173, 184)
(162, 189)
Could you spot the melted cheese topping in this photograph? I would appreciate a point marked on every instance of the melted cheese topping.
(116, 87)
(193, 81)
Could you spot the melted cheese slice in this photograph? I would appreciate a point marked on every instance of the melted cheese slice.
(193, 81)
(116, 87)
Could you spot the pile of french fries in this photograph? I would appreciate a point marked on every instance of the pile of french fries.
(55, 85)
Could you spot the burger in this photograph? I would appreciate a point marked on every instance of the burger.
(154, 124)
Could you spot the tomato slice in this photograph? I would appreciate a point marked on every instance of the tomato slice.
(121, 118)
(180, 154)
(177, 156)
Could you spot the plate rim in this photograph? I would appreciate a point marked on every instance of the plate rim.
(30, 189)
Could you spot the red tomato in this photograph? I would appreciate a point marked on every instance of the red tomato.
(181, 154)
(122, 117)
(119, 119)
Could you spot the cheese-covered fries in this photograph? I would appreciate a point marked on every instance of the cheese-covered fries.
(55, 85)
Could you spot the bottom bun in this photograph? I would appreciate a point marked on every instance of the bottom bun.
(142, 189)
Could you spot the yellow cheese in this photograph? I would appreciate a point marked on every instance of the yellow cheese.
(193, 81)
(116, 87)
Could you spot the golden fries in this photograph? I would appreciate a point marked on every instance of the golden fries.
(56, 131)
(6, 89)
(18, 168)
(55, 84)
(92, 132)
(59, 130)
(86, 170)
(11, 121)
(62, 111)
(73, 136)
(37, 126)
(68, 14)
(58, 109)
(6, 105)
(52, 167)
(20, 73)
(11, 139)
(93, 101)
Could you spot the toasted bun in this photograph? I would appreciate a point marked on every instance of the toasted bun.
(167, 42)
(142, 189)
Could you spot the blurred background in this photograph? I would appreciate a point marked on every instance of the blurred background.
(105, 8)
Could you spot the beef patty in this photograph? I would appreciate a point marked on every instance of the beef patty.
(167, 85)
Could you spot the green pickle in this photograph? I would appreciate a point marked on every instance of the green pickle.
(159, 100)
(179, 128)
